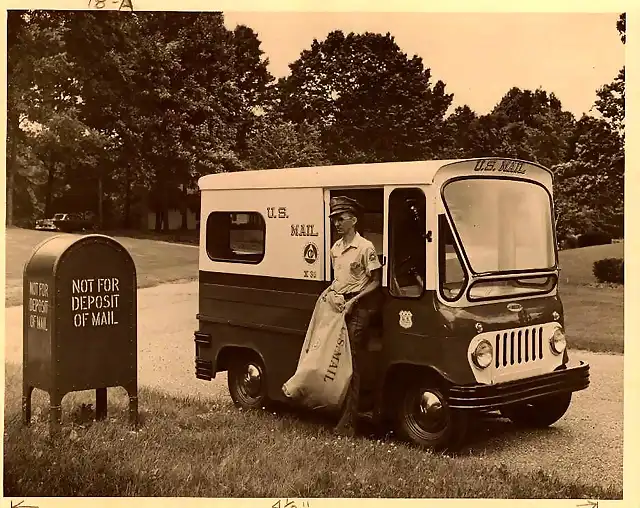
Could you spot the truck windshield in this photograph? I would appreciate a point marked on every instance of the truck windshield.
(503, 225)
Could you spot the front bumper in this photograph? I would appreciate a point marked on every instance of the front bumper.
(492, 397)
(46, 227)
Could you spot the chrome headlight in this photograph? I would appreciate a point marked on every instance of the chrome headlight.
(483, 354)
(558, 341)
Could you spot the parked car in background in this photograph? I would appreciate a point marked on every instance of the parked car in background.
(65, 222)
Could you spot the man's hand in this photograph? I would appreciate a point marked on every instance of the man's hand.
(338, 305)
(336, 301)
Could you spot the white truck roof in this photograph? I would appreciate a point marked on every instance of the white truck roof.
(351, 175)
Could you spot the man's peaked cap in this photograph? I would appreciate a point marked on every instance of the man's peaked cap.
(341, 204)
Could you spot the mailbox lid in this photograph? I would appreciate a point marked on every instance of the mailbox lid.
(46, 254)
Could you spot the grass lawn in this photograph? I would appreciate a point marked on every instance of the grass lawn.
(198, 448)
(576, 265)
(594, 315)
(156, 262)
(193, 448)
(594, 318)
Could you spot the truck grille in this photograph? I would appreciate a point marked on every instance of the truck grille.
(520, 346)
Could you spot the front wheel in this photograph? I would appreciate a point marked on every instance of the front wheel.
(247, 382)
(425, 418)
(540, 412)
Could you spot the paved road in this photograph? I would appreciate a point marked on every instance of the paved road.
(585, 446)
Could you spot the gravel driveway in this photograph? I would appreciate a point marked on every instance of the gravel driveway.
(585, 446)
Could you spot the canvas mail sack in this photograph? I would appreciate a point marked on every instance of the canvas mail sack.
(324, 368)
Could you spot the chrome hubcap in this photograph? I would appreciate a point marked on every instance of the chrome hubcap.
(431, 414)
(252, 381)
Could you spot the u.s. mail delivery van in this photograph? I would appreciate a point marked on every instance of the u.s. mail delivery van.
(472, 318)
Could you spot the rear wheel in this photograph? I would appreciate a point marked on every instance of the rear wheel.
(247, 382)
(425, 418)
(540, 412)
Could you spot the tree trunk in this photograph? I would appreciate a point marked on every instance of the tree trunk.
(11, 169)
(165, 207)
(127, 197)
(185, 208)
(241, 137)
(165, 217)
(158, 213)
(100, 207)
(156, 204)
(10, 186)
(49, 195)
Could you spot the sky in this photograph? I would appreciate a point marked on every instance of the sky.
(478, 56)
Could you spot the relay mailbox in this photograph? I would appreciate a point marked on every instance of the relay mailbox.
(80, 322)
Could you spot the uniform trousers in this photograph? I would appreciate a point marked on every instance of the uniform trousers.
(359, 322)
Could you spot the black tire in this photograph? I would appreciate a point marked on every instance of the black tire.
(538, 413)
(443, 430)
(247, 382)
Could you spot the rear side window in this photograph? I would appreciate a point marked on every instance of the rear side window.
(236, 237)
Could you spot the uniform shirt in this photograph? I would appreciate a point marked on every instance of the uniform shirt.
(353, 264)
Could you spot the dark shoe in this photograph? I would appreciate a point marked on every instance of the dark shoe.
(344, 431)
(345, 426)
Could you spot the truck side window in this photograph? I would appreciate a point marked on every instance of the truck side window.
(453, 277)
(407, 242)
(236, 237)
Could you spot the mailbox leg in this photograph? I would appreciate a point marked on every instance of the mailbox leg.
(55, 412)
(101, 403)
(27, 391)
(133, 404)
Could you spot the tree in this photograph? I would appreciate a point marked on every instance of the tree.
(129, 101)
(610, 102)
(524, 124)
(457, 128)
(621, 25)
(494, 135)
(193, 110)
(173, 90)
(611, 97)
(57, 144)
(589, 187)
(282, 144)
(44, 114)
(370, 101)
(106, 48)
(37, 72)
(29, 180)
(540, 125)
(252, 79)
